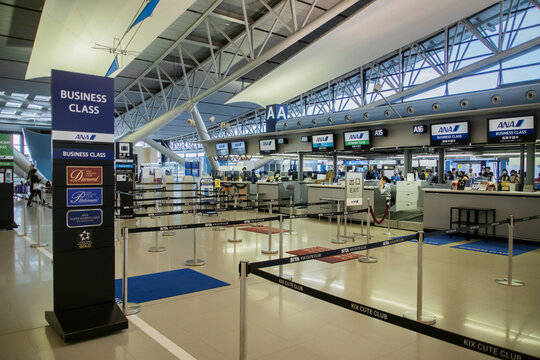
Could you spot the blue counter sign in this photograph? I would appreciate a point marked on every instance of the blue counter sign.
(450, 134)
(511, 130)
(84, 218)
(82, 154)
(84, 197)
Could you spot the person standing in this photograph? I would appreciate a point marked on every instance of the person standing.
(471, 173)
(35, 189)
(488, 174)
(29, 175)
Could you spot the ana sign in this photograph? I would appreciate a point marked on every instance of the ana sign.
(267, 146)
(354, 186)
(356, 140)
(222, 149)
(509, 130)
(324, 142)
(84, 218)
(450, 134)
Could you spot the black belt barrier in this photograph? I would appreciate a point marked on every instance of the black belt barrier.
(428, 330)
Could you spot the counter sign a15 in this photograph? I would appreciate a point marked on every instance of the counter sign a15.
(380, 132)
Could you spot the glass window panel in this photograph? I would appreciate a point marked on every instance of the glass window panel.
(521, 74)
(473, 83)
(438, 91)
(528, 58)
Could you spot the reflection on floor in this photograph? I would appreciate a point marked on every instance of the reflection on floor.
(282, 324)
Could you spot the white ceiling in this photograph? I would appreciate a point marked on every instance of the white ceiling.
(69, 29)
(378, 29)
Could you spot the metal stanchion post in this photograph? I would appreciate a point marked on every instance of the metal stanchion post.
(366, 258)
(235, 239)
(156, 247)
(39, 243)
(419, 315)
(270, 250)
(338, 239)
(218, 208)
(388, 232)
(285, 276)
(243, 310)
(291, 232)
(510, 281)
(195, 261)
(129, 308)
(24, 218)
(168, 232)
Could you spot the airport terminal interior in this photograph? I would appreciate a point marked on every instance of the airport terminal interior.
(269, 179)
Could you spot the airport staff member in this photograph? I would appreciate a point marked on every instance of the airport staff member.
(385, 188)
(488, 174)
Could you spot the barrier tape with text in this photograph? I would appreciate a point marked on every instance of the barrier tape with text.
(237, 222)
(418, 327)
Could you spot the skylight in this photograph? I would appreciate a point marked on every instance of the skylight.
(13, 104)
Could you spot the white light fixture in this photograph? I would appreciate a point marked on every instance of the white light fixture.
(212, 119)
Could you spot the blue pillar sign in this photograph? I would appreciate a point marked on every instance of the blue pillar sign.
(273, 114)
(83, 207)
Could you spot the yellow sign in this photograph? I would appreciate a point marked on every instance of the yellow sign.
(217, 183)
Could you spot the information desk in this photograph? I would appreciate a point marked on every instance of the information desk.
(438, 202)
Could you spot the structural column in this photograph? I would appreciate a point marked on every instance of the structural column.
(440, 166)
(334, 163)
(300, 167)
(522, 166)
(165, 151)
(407, 159)
(531, 154)
(203, 135)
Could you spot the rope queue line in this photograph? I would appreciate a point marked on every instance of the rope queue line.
(246, 268)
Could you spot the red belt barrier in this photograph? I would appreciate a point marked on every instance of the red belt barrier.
(384, 216)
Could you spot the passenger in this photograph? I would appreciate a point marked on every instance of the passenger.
(488, 174)
(504, 176)
(35, 188)
(514, 177)
(454, 174)
(449, 176)
(29, 175)
(432, 178)
(471, 173)
(538, 178)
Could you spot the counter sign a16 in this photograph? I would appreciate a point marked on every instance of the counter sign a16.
(419, 129)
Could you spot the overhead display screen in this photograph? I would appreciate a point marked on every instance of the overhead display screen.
(512, 130)
(238, 148)
(356, 140)
(267, 146)
(222, 149)
(324, 142)
(456, 133)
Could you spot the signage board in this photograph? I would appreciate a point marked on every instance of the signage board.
(354, 186)
(456, 133)
(84, 218)
(84, 175)
(274, 113)
(356, 140)
(323, 142)
(267, 146)
(6, 148)
(419, 129)
(380, 132)
(84, 197)
(82, 154)
(306, 139)
(282, 141)
(512, 130)
(222, 149)
(238, 148)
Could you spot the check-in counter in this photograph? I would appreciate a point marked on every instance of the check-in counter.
(276, 190)
(316, 192)
(236, 187)
(438, 202)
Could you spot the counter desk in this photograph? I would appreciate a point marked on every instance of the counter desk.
(438, 204)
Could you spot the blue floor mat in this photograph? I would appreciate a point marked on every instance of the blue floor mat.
(166, 284)
(496, 247)
(441, 239)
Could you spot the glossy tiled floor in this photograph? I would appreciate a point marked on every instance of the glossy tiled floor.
(282, 324)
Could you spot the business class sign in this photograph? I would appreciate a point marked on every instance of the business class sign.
(512, 130)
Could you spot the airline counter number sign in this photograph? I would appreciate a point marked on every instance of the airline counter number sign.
(84, 175)
(511, 130)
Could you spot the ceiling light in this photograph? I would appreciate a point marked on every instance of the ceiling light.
(13, 104)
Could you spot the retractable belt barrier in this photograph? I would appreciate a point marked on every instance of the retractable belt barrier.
(235, 222)
(444, 335)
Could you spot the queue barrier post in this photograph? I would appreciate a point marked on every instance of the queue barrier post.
(129, 308)
(338, 239)
(168, 232)
(269, 250)
(218, 208)
(195, 261)
(24, 216)
(243, 310)
(235, 239)
(39, 243)
(156, 247)
(281, 275)
(419, 315)
(367, 258)
(388, 232)
(291, 204)
(509, 280)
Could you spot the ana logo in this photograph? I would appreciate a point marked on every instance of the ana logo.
(267, 143)
(85, 137)
(356, 136)
(448, 129)
(321, 138)
(510, 124)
